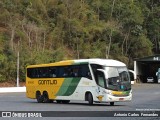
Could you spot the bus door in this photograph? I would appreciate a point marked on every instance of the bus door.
(101, 85)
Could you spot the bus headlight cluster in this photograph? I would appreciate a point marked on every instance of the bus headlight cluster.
(109, 92)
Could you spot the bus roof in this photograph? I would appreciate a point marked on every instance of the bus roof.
(104, 62)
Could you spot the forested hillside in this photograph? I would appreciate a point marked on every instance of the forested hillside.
(46, 31)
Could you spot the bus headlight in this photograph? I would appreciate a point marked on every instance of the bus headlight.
(109, 92)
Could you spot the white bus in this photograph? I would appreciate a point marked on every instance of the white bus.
(92, 80)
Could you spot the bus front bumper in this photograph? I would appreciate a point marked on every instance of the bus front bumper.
(112, 98)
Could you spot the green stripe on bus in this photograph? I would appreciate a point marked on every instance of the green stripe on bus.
(64, 87)
(126, 92)
(68, 87)
(72, 86)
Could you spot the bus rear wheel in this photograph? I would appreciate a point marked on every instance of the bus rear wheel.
(46, 98)
(39, 97)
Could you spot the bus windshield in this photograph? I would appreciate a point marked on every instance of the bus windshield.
(118, 78)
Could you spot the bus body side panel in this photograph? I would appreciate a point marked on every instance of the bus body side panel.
(78, 93)
(59, 88)
(71, 89)
(30, 92)
(66, 88)
(51, 85)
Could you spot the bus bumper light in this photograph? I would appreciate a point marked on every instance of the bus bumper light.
(121, 99)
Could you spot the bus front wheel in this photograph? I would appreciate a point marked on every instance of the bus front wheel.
(59, 101)
(90, 99)
(65, 101)
(112, 103)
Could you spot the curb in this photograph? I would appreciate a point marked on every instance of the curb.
(12, 89)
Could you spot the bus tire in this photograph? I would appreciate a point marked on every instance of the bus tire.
(65, 101)
(112, 103)
(46, 98)
(90, 99)
(59, 101)
(39, 97)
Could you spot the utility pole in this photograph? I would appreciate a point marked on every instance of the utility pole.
(109, 47)
(18, 66)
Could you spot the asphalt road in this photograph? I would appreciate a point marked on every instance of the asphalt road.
(145, 97)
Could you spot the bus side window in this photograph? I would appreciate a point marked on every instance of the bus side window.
(100, 79)
(74, 71)
(36, 73)
(89, 75)
(30, 72)
(65, 71)
(94, 68)
(52, 72)
(84, 71)
(43, 73)
(62, 72)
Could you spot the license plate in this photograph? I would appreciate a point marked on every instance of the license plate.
(121, 98)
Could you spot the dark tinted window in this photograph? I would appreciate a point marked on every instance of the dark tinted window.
(42, 72)
(95, 67)
(60, 71)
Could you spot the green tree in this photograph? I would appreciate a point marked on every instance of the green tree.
(46, 31)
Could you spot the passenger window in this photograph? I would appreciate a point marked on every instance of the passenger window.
(60, 71)
(52, 72)
(85, 72)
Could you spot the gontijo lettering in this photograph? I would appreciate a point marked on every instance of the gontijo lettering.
(47, 82)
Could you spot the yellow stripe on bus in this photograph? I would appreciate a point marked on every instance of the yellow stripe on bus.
(120, 92)
(61, 63)
(117, 93)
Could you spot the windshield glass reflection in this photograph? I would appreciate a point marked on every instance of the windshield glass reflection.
(118, 78)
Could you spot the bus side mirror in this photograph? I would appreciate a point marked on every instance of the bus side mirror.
(156, 73)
